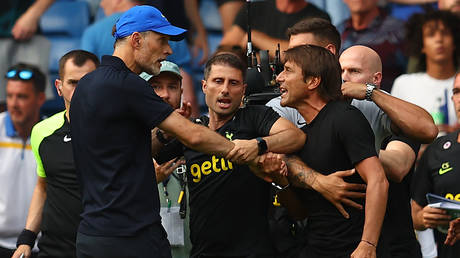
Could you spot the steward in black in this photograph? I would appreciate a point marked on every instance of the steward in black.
(228, 203)
(397, 239)
(438, 172)
(338, 138)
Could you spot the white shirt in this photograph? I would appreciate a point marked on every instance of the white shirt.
(17, 182)
(426, 92)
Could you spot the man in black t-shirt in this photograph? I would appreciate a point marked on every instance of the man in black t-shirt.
(269, 22)
(339, 138)
(228, 203)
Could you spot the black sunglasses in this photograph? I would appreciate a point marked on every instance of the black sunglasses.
(23, 74)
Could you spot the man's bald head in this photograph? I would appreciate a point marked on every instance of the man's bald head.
(361, 64)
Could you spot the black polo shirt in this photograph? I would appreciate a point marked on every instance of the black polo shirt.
(112, 113)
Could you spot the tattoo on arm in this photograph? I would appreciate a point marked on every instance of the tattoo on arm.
(299, 174)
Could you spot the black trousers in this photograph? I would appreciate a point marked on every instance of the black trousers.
(151, 242)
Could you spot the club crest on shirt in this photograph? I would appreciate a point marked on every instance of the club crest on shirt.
(229, 136)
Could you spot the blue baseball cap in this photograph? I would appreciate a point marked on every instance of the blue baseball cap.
(144, 18)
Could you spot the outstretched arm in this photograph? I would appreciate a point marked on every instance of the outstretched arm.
(284, 137)
(34, 218)
(197, 137)
(407, 118)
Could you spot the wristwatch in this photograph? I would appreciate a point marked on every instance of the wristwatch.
(369, 90)
(262, 145)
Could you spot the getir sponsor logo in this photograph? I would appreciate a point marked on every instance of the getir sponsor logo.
(216, 165)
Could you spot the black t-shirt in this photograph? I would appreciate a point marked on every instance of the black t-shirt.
(228, 203)
(397, 239)
(338, 138)
(61, 212)
(438, 172)
(113, 111)
(265, 17)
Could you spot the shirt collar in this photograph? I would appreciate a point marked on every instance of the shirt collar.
(114, 61)
(10, 131)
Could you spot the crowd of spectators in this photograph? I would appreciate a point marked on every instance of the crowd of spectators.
(387, 69)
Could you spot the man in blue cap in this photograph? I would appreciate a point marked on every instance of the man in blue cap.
(113, 112)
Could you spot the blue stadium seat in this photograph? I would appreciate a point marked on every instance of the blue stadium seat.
(60, 46)
(66, 18)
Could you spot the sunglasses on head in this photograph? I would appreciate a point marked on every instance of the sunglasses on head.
(23, 74)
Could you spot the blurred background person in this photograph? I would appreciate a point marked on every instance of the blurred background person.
(25, 87)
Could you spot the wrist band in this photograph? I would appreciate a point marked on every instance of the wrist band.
(365, 241)
(27, 237)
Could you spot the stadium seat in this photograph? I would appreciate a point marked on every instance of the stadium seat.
(66, 18)
(60, 46)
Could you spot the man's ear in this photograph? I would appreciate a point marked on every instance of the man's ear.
(331, 48)
(136, 40)
(313, 82)
(58, 85)
(203, 86)
(377, 78)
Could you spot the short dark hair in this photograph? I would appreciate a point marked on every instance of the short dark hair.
(414, 34)
(78, 57)
(118, 40)
(232, 49)
(321, 28)
(38, 77)
(318, 62)
(226, 59)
